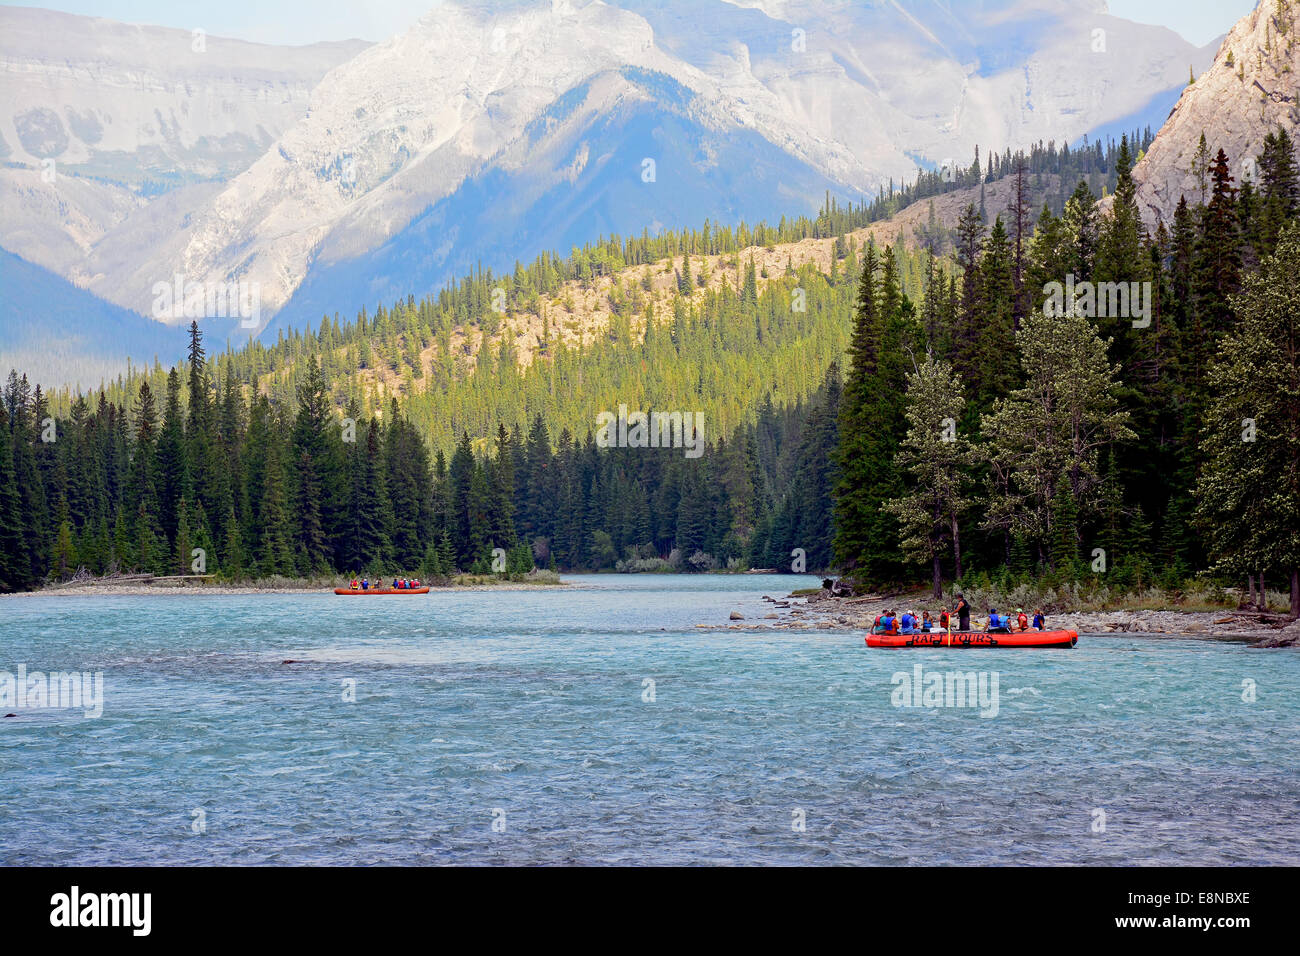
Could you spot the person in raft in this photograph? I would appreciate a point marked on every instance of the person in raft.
(365, 584)
(354, 585)
(1040, 622)
(908, 624)
(1022, 622)
(888, 624)
(963, 613)
(998, 623)
(944, 619)
(927, 624)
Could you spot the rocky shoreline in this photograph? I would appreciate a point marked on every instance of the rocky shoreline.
(823, 611)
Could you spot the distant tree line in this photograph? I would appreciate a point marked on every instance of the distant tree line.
(223, 485)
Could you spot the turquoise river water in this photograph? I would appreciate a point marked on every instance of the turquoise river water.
(597, 724)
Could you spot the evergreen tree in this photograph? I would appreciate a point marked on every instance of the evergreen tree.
(1280, 189)
(15, 572)
(1049, 432)
(939, 459)
(65, 552)
(173, 472)
(871, 428)
(184, 541)
(1248, 496)
(275, 553)
(1218, 256)
(991, 364)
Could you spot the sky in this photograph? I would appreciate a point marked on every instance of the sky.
(1199, 21)
(306, 21)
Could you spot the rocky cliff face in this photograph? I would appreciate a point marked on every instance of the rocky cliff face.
(138, 103)
(1252, 87)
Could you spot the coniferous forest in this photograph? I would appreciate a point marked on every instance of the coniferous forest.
(922, 413)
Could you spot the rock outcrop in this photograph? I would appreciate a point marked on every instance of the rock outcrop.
(1252, 88)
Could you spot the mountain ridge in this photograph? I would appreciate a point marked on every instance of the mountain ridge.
(1249, 91)
(393, 158)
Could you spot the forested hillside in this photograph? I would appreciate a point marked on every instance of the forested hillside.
(1136, 423)
(705, 319)
(1056, 435)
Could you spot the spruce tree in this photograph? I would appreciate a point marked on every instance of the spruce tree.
(15, 572)
(275, 552)
(1051, 430)
(938, 462)
(872, 426)
(184, 541)
(1248, 495)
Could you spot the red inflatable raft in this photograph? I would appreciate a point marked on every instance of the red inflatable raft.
(976, 639)
(419, 590)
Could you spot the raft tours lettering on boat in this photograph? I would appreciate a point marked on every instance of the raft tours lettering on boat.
(970, 639)
(653, 430)
(946, 689)
(56, 690)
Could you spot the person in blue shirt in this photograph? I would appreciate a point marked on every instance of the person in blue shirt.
(1040, 622)
(365, 584)
(908, 623)
(996, 623)
(887, 622)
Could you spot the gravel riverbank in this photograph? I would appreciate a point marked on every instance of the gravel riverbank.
(821, 611)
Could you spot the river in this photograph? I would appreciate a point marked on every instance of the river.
(596, 724)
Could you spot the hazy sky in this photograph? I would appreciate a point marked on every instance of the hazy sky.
(305, 21)
(1199, 21)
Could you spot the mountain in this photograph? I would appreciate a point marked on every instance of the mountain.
(130, 104)
(341, 174)
(475, 101)
(1248, 91)
(565, 181)
(105, 117)
(58, 334)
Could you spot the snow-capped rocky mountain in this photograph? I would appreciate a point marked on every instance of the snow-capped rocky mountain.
(337, 175)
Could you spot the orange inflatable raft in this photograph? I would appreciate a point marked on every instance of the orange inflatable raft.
(976, 639)
(419, 590)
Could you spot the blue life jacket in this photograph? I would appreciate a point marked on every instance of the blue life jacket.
(908, 621)
(887, 623)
